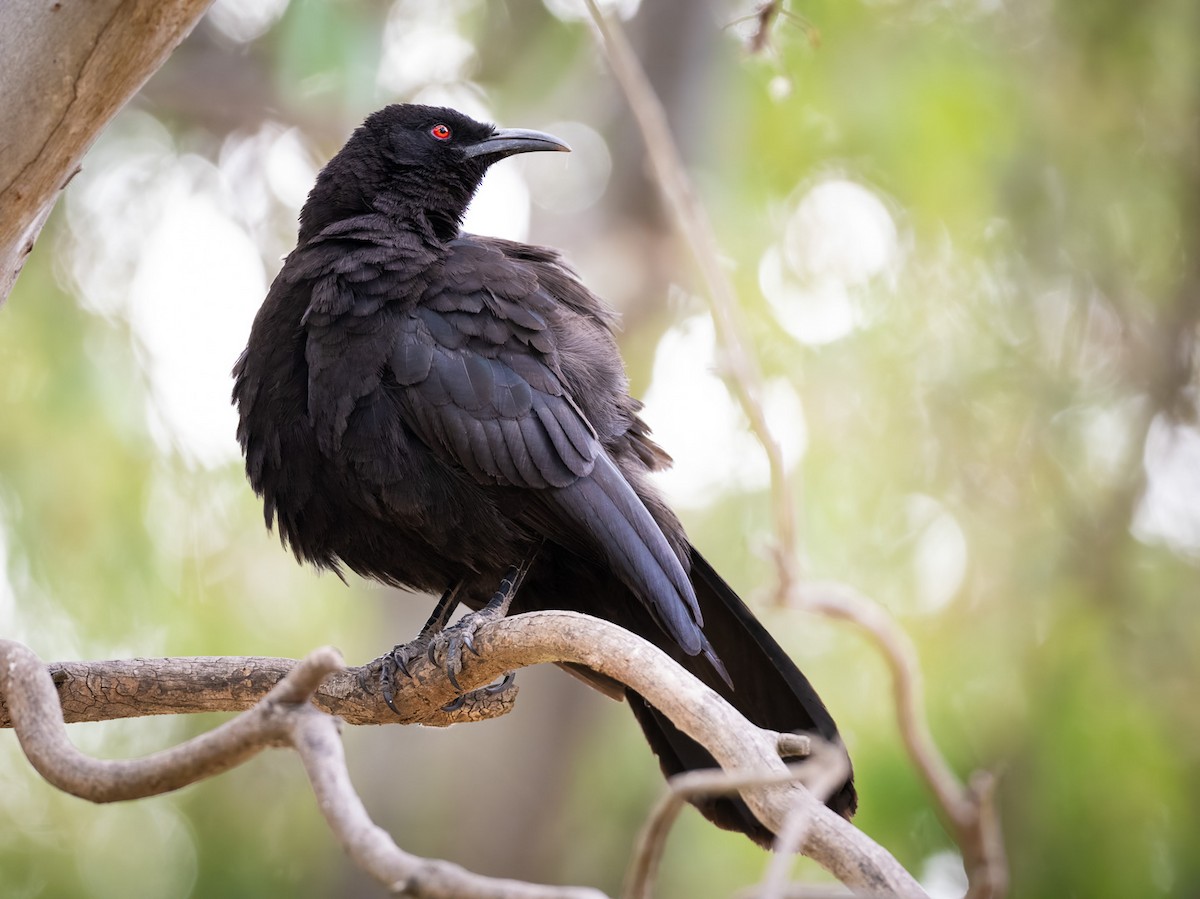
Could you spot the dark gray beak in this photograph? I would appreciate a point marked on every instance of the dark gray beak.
(509, 141)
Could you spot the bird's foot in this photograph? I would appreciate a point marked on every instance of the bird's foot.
(482, 695)
(491, 701)
(461, 635)
(396, 663)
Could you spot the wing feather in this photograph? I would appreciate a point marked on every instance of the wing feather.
(476, 363)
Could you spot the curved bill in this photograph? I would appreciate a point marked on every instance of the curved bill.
(508, 141)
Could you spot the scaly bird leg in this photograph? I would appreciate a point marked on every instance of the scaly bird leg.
(402, 653)
(462, 634)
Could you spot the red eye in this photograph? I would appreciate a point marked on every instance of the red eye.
(441, 132)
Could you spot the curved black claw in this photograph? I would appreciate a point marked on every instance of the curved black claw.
(396, 662)
(387, 682)
(490, 690)
(501, 685)
(461, 635)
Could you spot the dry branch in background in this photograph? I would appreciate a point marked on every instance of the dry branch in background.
(823, 771)
(969, 812)
(740, 368)
(284, 716)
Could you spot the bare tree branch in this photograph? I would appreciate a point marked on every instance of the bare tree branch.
(551, 636)
(135, 688)
(969, 812)
(648, 852)
(283, 717)
(832, 767)
(65, 70)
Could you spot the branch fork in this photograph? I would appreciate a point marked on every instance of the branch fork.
(296, 710)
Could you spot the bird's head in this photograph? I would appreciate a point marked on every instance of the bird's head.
(411, 160)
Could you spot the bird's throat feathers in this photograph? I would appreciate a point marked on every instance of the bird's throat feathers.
(412, 196)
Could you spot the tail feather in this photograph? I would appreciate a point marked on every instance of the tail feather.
(738, 659)
(768, 689)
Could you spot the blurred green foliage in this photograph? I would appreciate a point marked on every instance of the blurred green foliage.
(1002, 383)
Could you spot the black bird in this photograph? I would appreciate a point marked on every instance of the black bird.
(449, 412)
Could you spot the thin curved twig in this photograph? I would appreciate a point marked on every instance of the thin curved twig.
(681, 788)
(34, 707)
(969, 811)
(828, 768)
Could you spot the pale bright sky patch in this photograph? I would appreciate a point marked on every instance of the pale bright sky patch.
(695, 419)
(943, 876)
(112, 205)
(779, 88)
(266, 176)
(840, 230)
(245, 20)
(422, 45)
(1169, 511)
(815, 313)
(194, 294)
(274, 162)
(501, 207)
(291, 168)
(577, 11)
(160, 239)
(939, 556)
(567, 183)
(839, 237)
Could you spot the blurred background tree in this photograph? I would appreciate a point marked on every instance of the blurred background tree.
(966, 237)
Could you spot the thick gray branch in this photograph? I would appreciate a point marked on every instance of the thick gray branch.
(66, 68)
(135, 688)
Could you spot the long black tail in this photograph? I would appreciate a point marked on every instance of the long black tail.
(767, 686)
(768, 689)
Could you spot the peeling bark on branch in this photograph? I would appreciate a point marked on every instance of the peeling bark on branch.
(136, 688)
